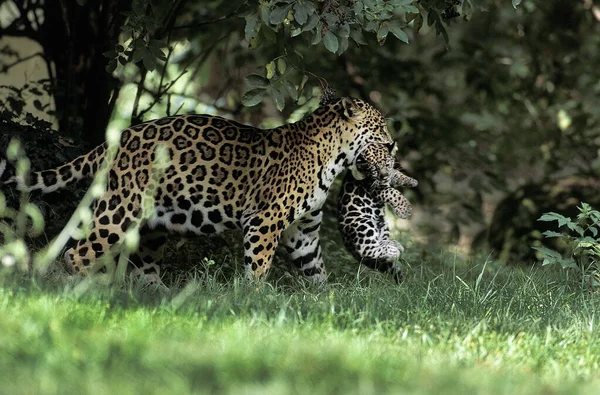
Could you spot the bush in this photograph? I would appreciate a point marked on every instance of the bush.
(582, 241)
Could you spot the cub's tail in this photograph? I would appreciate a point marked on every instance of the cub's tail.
(50, 180)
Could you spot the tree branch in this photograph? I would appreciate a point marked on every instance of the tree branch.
(217, 20)
(138, 95)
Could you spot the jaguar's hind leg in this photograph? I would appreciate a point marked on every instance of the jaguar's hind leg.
(399, 179)
(401, 206)
(113, 216)
(148, 260)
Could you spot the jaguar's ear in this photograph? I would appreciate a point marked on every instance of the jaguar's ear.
(328, 94)
(392, 148)
(350, 109)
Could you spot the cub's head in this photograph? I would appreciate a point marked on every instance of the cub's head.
(376, 162)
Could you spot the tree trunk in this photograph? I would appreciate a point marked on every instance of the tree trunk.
(74, 38)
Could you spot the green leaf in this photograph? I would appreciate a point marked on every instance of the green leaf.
(516, 3)
(252, 27)
(111, 66)
(358, 37)
(372, 26)
(279, 14)
(358, 7)
(410, 8)
(270, 69)
(265, 13)
(257, 80)
(253, 97)
(371, 4)
(568, 263)
(304, 81)
(278, 98)
(575, 227)
(343, 45)
(281, 66)
(331, 42)
(550, 233)
(431, 17)
(343, 31)
(313, 21)
(111, 54)
(138, 43)
(382, 33)
(291, 89)
(317, 38)
(548, 253)
(399, 33)
(138, 54)
(552, 216)
(300, 13)
(149, 61)
(156, 50)
(269, 35)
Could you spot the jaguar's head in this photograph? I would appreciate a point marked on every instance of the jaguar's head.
(359, 125)
(364, 121)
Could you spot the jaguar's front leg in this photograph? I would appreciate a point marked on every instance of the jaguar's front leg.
(261, 237)
(301, 240)
(386, 266)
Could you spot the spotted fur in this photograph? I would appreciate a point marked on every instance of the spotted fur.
(361, 205)
(221, 175)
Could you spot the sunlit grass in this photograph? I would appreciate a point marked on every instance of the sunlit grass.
(442, 330)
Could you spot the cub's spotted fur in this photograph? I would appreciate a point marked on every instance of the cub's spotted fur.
(361, 205)
(221, 175)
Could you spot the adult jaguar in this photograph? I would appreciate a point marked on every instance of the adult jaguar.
(221, 175)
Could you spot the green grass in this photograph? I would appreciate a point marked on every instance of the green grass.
(442, 331)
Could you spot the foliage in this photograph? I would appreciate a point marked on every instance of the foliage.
(334, 25)
(28, 220)
(583, 242)
(140, 25)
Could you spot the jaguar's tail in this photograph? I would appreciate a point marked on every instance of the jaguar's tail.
(50, 180)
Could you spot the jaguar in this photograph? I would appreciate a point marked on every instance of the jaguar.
(218, 175)
(365, 191)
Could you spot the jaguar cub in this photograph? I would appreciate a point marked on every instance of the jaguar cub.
(220, 175)
(361, 204)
